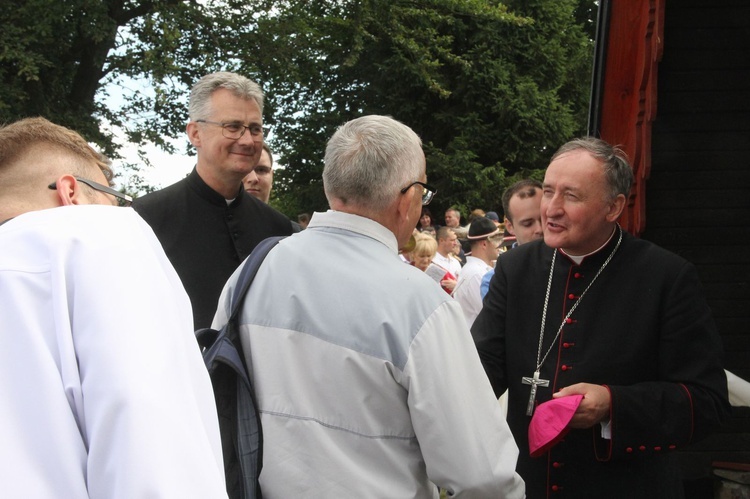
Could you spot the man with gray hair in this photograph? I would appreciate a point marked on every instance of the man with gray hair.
(606, 337)
(206, 222)
(368, 383)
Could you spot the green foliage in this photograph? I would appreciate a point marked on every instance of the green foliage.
(43, 58)
(56, 59)
(491, 87)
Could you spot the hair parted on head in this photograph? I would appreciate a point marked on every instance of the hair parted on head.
(525, 188)
(240, 86)
(617, 169)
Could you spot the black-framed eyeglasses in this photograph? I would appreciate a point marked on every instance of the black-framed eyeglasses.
(122, 199)
(428, 192)
(236, 130)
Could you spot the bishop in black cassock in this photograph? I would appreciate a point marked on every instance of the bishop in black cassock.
(643, 330)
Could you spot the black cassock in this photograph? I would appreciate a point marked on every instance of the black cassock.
(206, 239)
(643, 329)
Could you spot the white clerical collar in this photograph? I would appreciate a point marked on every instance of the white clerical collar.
(579, 258)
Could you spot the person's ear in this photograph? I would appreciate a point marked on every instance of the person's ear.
(616, 208)
(404, 205)
(509, 227)
(70, 191)
(193, 133)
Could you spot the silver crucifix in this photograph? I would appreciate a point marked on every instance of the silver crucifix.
(534, 382)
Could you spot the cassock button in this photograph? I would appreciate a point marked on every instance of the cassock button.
(556, 488)
(568, 321)
(657, 448)
(642, 448)
(556, 465)
(577, 275)
(571, 296)
(566, 345)
(672, 447)
(629, 450)
(565, 367)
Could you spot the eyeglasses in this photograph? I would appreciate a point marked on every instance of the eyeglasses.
(262, 170)
(236, 130)
(122, 199)
(428, 192)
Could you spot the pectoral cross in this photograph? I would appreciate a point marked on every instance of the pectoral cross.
(534, 382)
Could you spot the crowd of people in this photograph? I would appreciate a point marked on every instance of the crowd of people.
(375, 376)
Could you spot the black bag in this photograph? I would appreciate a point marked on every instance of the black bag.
(239, 419)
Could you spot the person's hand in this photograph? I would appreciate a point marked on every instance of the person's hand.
(594, 407)
(448, 284)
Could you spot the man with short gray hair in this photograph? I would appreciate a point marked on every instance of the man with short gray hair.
(206, 222)
(349, 354)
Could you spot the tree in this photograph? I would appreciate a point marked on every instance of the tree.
(57, 57)
(490, 87)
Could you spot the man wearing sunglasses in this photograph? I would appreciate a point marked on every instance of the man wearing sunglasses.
(103, 391)
(206, 222)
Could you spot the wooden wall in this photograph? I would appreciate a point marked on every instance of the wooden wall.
(698, 193)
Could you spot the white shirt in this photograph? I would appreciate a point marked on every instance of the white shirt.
(467, 291)
(103, 392)
(449, 263)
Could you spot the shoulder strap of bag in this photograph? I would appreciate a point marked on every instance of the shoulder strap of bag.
(207, 337)
(239, 419)
(247, 274)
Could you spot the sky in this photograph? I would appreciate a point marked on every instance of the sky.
(165, 170)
